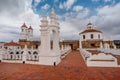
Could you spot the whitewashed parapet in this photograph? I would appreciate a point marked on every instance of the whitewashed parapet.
(113, 51)
(65, 51)
(85, 54)
(102, 60)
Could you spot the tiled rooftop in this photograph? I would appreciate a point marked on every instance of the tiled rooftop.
(71, 68)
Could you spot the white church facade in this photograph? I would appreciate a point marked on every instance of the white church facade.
(95, 50)
(14, 53)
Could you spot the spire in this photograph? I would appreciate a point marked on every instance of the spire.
(24, 25)
(52, 14)
(53, 18)
(30, 28)
(44, 21)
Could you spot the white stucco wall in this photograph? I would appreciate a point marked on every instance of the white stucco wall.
(88, 36)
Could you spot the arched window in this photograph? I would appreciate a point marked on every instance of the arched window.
(22, 30)
(11, 52)
(92, 36)
(35, 52)
(17, 52)
(98, 36)
(83, 36)
(29, 52)
(22, 52)
(36, 46)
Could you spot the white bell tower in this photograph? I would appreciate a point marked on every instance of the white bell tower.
(30, 34)
(23, 34)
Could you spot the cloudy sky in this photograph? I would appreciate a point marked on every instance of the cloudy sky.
(73, 16)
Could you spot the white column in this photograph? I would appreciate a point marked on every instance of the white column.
(101, 45)
(55, 41)
(80, 44)
(114, 46)
(2, 51)
(0, 55)
(45, 36)
(24, 53)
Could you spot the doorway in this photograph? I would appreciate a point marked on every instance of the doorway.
(92, 45)
(71, 45)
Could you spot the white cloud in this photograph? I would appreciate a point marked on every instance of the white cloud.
(77, 8)
(108, 0)
(112, 1)
(95, 0)
(13, 16)
(67, 5)
(61, 6)
(45, 7)
(37, 2)
(108, 20)
(72, 23)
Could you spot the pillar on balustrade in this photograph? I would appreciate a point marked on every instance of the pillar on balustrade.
(0, 55)
(62, 47)
(25, 52)
(54, 27)
(101, 45)
(45, 36)
(80, 44)
(114, 46)
(2, 52)
(106, 46)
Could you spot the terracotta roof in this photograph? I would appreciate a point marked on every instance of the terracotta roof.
(90, 30)
(30, 28)
(11, 44)
(24, 25)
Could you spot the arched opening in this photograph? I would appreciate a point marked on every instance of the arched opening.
(98, 36)
(21, 55)
(54, 64)
(35, 55)
(71, 45)
(17, 55)
(51, 39)
(11, 55)
(23, 62)
(29, 52)
(83, 36)
(22, 52)
(54, 38)
(36, 46)
(17, 52)
(91, 36)
(92, 45)
(35, 52)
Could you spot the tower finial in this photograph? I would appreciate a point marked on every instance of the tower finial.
(53, 4)
(90, 25)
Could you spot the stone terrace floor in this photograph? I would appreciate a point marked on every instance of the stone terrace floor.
(71, 68)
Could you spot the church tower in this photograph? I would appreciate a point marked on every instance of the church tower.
(30, 34)
(23, 34)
